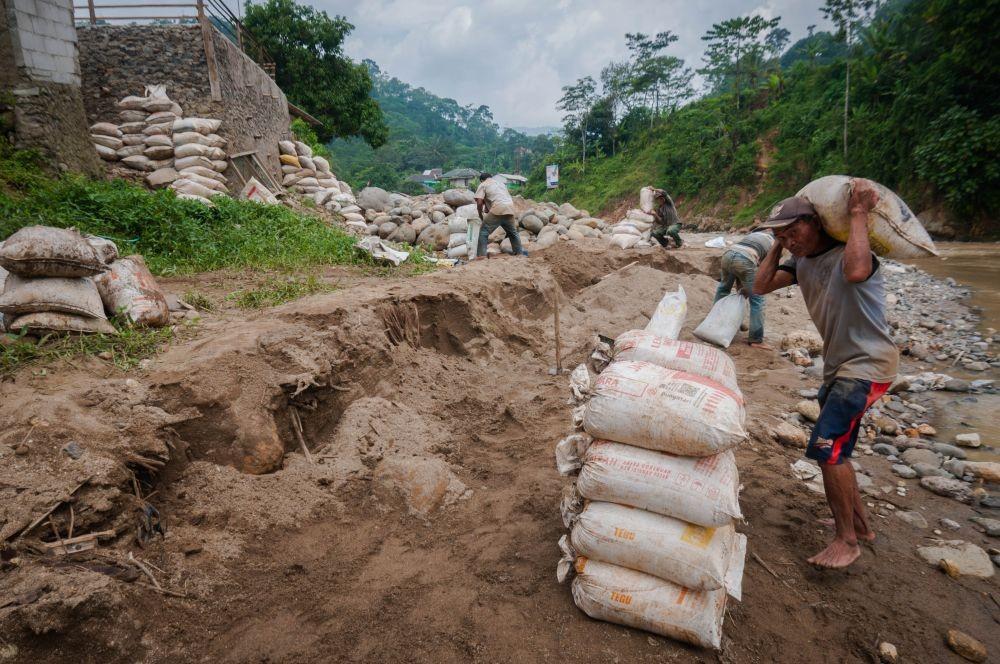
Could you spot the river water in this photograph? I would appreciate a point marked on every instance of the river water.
(976, 265)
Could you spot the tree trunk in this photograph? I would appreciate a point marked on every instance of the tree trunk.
(847, 93)
(583, 138)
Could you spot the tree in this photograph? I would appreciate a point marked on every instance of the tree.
(310, 67)
(849, 16)
(736, 50)
(577, 101)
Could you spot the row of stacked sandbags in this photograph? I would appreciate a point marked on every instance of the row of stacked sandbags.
(306, 173)
(60, 281)
(652, 542)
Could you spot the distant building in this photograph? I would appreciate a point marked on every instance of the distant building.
(513, 180)
(424, 180)
(460, 177)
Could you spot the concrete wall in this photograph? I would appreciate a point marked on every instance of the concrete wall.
(40, 72)
(219, 82)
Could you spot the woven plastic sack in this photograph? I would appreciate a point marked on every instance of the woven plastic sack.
(129, 288)
(45, 251)
(287, 148)
(626, 597)
(201, 125)
(668, 319)
(624, 240)
(723, 321)
(893, 230)
(68, 295)
(694, 358)
(693, 556)
(50, 322)
(647, 199)
(704, 491)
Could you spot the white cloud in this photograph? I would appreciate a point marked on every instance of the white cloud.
(515, 55)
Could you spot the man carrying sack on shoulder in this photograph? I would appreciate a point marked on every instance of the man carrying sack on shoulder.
(844, 290)
(496, 208)
(739, 265)
(667, 222)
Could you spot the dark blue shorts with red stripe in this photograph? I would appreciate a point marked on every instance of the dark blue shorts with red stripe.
(842, 401)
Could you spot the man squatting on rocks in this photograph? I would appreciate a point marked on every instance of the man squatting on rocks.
(843, 287)
(739, 263)
(667, 222)
(496, 208)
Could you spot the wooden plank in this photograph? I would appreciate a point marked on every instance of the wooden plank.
(213, 73)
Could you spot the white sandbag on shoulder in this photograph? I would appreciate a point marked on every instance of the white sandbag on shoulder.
(46, 251)
(132, 103)
(702, 490)
(187, 186)
(624, 241)
(690, 555)
(129, 288)
(723, 320)
(176, 109)
(893, 230)
(158, 152)
(105, 129)
(51, 322)
(322, 165)
(139, 162)
(665, 410)
(206, 173)
(626, 597)
(105, 153)
(647, 200)
(311, 189)
(181, 163)
(68, 295)
(162, 177)
(201, 125)
(159, 140)
(694, 358)
(287, 148)
(668, 319)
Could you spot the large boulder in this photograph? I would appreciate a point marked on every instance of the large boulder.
(546, 240)
(420, 224)
(435, 237)
(374, 198)
(386, 229)
(468, 211)
(458, 197)
(404, 233)
(567, 210)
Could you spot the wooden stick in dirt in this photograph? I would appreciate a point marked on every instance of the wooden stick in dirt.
(31, 526)
(764, 565)
(555, 321)
(297, 427)
(76, 540)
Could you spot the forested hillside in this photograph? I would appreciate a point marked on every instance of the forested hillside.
(921, 114)
(427, 131)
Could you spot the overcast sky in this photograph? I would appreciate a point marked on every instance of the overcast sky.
(515, 55)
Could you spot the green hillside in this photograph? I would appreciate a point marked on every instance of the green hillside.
(427, 131)
(922, 120)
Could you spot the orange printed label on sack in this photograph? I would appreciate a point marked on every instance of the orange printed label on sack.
(698, 536)
(580, 565)
(625, 534)
(621, 598)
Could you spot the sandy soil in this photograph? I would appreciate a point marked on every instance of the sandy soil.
(426, 528)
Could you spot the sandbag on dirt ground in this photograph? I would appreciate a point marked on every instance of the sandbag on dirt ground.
(45, 251)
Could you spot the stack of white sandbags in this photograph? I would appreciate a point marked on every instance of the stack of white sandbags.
(633, 230)
(306, 173)
(107, 140)
(199, 160)
(652, 543)
(145, 128)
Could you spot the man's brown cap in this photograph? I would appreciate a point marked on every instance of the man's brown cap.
(786, 212)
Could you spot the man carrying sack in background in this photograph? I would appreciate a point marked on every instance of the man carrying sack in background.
(496, 208)
(739, 264)
(844, 290)
(667, 223)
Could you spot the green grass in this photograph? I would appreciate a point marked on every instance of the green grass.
(175, 236)
(278, 290)
(124, 350)
(198, 300)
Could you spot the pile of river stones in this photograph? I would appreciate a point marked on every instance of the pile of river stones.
(436, 221)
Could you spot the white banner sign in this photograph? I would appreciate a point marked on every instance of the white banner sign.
(552, 176)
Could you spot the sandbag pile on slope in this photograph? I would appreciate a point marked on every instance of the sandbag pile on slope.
(633, 230)
(199, 160)
(306, 173)
(60, 281)
(146, 126)
(652, 543)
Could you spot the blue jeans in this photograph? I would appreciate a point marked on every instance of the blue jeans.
(737, 267)
(490, 223)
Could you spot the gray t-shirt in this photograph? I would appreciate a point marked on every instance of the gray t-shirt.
(754, 246)
(849, 317)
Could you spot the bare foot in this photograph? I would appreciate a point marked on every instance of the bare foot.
(838, 555)
(860, 528)
(761, 345)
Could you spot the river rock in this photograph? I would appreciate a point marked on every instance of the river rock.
(885, 450)
(386, 229)
(957, 385)
(904, 471)
(546, 240)
(532, 223)
(567, 210)
(926, 430)
(887, 653)
(816, 370)
(966, 646)
(374, 198)
(988, 471)
(456, 198)
(807, 339)
(947, 450)
(950, 488)
(435, 237)
(887, 425)
(437, 216)
(990, 526)
(405, 233)
(928, 470)
(977, 366)
(420, 224)
(915, 455)
(967, 558)
(915, 519)
(790, 435)
(808, 409)
(968, 440)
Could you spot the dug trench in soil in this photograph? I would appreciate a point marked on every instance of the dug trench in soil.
(426, 529)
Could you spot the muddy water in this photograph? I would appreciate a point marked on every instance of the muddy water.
(976, 265)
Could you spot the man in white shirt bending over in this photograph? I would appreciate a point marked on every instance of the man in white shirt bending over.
(496, 208)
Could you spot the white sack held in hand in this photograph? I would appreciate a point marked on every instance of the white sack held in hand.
(668, 319)
(704, 491)
(893, 230)
(623, 596)
(647, 199)
(130, 288)
(693, 556)
(694, 358)
(723, 321)
(665, 410)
